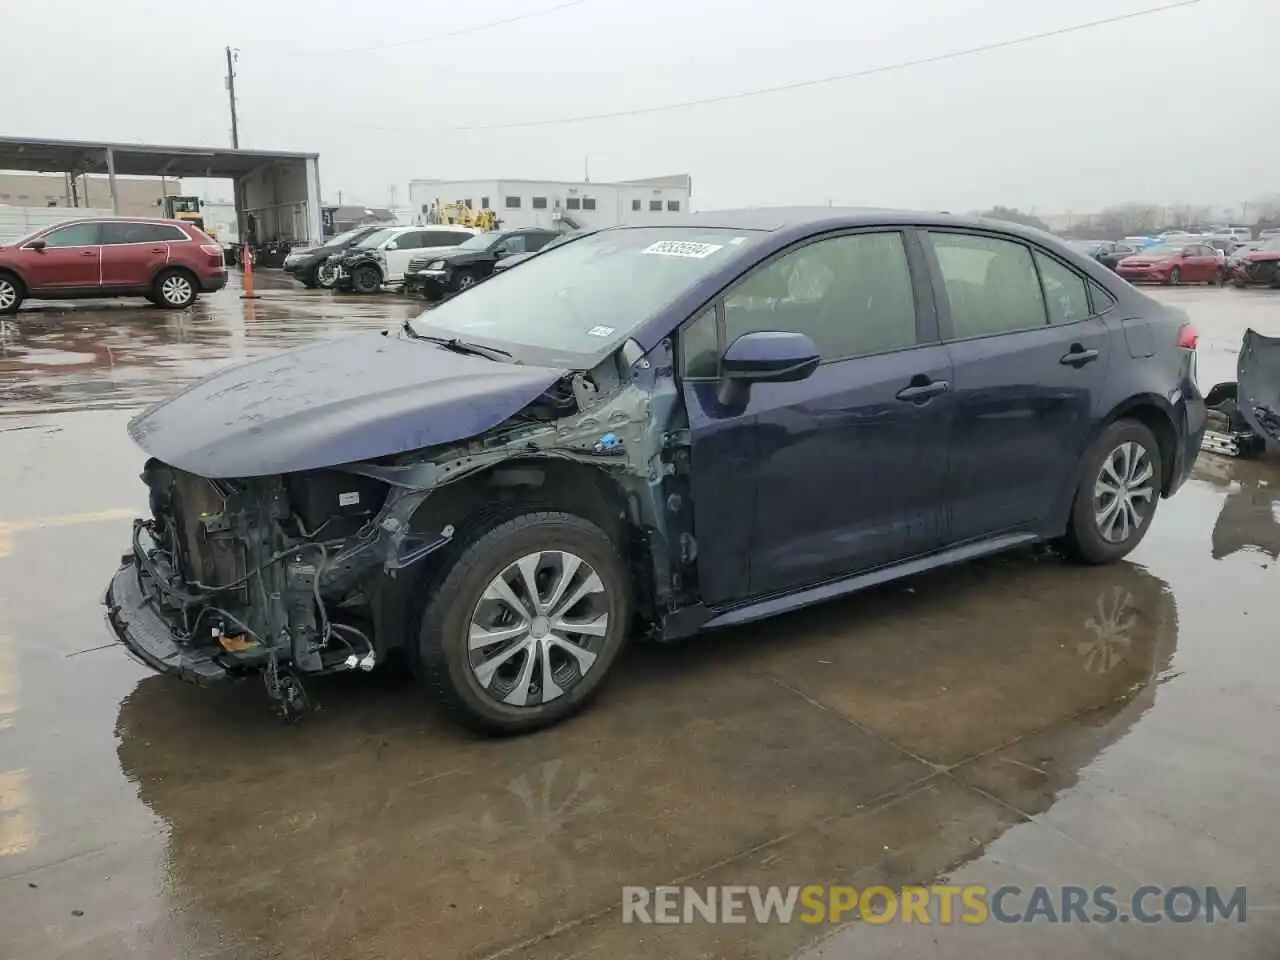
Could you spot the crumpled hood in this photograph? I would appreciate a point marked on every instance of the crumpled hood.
(1258, 383)
(335, 402)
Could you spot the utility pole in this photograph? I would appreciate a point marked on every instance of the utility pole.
(232, 56)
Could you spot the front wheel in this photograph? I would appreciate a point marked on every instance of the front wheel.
(366, 279)
(174, 289)
(526, 622)
(1175, 276)
(326, 275)
(466, 281)
(1118, 493)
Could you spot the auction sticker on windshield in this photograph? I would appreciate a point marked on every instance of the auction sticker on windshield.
(683, 248)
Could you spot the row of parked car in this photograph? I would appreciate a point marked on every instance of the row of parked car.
(1188, 258)
(432, 261)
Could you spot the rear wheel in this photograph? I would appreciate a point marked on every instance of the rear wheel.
(366, 279)
(526, 622)
(174, 289)
(1118, 493)
(11, 293)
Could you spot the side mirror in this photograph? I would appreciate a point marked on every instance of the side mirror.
(766, 356)
(500, 254)
(392, 245)
(37, 244)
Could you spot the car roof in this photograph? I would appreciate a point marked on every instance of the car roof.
(771, 219)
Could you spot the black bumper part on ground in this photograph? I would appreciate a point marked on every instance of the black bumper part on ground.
(147, 635)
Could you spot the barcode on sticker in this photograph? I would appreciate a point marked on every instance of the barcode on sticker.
(348, 499)
(683, 248)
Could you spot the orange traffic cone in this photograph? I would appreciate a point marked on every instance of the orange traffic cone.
(246, 259)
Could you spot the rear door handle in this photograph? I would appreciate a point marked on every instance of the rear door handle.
(1078, 358)
(920, 392)
(89, 253)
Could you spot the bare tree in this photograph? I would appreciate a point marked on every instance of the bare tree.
(1129, 219)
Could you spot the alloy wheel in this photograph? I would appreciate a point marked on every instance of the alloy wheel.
(8, 294)
(326, 274)
(538, 628)
(1123, 493)
(466, 282)
(176, 290)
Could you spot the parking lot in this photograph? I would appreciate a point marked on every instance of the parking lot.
(1017, 721)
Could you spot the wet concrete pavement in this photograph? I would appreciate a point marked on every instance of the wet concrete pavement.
(1015, 721)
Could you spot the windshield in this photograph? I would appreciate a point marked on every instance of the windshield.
(1163, 249)
(481, 241)
(343, 238)
(586, 296)
(375, 238)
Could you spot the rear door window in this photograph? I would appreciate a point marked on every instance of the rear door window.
(121, 232)
(1065, 293)
(991, 285)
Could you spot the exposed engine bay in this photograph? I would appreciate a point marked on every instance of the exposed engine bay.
(285, 574)
(1244, 414)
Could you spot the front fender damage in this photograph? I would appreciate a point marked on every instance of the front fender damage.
(630, 429)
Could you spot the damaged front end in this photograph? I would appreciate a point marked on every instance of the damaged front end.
(236, 576)
(288, 574)
(1244, 414)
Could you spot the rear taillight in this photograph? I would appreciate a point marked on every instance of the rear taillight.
(1188, 337)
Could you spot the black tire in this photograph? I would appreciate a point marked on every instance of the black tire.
(1084, 540)
(310, 280)
(444, 660)
(466, 280)
(1175, 276)
(12, 293)
(175, 289)
(326, 275)
(366, 279)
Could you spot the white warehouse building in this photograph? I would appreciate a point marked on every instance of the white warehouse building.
(558, 204)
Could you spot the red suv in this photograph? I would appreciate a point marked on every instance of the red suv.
(167, 261)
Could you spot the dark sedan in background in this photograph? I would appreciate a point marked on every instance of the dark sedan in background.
(311, 266)
(471, 262)
(506, 263)
(1109, 253)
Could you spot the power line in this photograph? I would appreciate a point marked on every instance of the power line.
(460, 32)
(820, 81)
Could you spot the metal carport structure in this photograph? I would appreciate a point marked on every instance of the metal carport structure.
(279, 190)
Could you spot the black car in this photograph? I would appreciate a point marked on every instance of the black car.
(467, 264)
(652, 431)
(506, 263)
(1111, 258)
(311, 265)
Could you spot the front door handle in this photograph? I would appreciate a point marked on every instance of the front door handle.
(1078, 357)
(920, 392)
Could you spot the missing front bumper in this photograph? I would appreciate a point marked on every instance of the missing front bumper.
(148, 636)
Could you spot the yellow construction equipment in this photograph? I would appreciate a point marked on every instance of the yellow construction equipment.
(463, 216)
(183, 208)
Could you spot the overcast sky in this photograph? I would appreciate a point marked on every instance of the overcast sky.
(1178, 107)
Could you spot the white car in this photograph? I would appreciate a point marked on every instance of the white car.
(381, 257)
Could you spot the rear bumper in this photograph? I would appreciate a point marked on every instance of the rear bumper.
(135, 618)
(213, 282)
(1195, 421)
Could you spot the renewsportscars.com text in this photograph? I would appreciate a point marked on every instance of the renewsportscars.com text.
(932, 905)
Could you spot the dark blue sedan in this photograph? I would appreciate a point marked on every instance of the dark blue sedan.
(656, 430)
